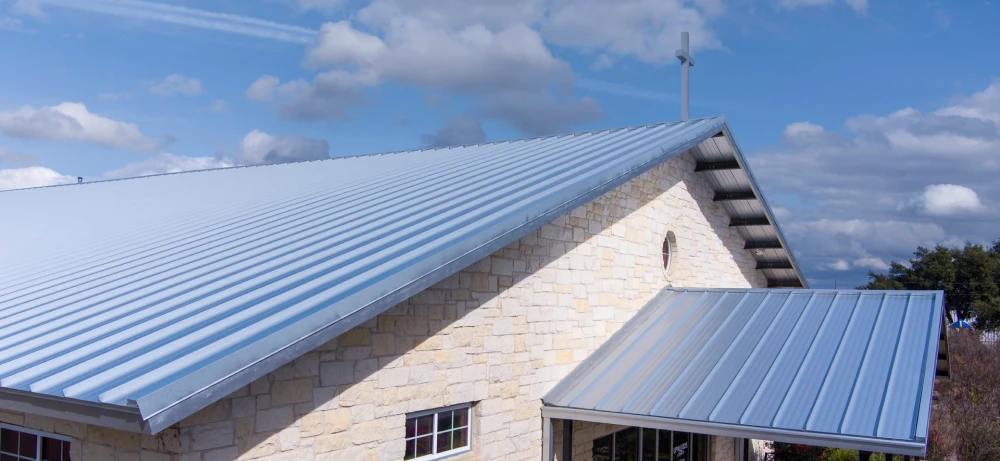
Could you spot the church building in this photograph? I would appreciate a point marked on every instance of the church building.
(614, 295)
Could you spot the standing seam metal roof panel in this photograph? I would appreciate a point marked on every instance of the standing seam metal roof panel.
(839, 368)
(166, 293)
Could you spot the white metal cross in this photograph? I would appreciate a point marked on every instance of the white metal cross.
(686, 61)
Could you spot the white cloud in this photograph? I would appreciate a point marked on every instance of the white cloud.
(28, 8)
(863, 193)
(949, 200)
(175, 84)
(73, 122)
(7, 23)
(860, 6)
(340, 43)
(259, 147)
(34, 176)
(216, 107)
(839, 265)
(112, 97)
(190, 17)
(871, 263)
(167, 163)
(330, 95)
(263, 88)
(459, 130)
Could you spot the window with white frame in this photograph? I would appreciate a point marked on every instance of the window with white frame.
(435, 433)
(23, 444)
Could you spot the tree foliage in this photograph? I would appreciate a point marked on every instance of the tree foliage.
(969, 277)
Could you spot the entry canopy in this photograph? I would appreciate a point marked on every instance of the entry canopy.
(849, 369)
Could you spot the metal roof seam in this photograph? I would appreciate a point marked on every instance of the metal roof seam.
(657, 407)
(892, 363)
(826, 375)
(864, 353)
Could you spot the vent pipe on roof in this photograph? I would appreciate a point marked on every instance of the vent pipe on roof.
(687, 61)
(79, 179)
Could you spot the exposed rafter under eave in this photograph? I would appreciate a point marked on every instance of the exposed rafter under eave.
(763, 245)
(774, 265)
(710, 166)
(738, 195)
(738, 222)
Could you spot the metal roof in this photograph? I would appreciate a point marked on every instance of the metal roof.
(162, 294)
(851, 369)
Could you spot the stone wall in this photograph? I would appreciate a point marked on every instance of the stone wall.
(500, 333)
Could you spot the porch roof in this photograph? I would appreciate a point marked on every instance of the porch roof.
(851, 369)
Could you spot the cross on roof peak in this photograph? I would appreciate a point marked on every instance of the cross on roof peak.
(687, 61)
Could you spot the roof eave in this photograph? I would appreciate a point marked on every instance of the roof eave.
(899, 447)
(100, 414)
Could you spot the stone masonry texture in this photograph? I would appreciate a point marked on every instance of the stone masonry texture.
(498, 334)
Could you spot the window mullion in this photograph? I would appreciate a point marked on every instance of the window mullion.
(434, 435)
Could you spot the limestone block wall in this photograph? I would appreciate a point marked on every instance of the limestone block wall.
(500, 334)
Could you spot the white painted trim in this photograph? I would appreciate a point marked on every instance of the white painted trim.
(417, 414)
(434, 431)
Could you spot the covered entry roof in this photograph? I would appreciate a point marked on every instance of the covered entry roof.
(851, 369)
(141, 301)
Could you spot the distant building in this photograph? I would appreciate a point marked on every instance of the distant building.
(471, 301)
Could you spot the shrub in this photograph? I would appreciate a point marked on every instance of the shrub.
(796, 452)
(840, 454)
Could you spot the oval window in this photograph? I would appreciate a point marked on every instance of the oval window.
(669, 248)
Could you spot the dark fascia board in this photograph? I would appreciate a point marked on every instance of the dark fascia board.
(763, 201)
(899, 447)
(180, 399)
(99, 414)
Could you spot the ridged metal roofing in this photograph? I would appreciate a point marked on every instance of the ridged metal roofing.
(165, 293)
(848, 368)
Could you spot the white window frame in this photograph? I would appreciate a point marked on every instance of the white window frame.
(434, 432)
(38, 439)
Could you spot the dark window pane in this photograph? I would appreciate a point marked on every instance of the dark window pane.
(8, 458)
(682, 446)
(461, 417)
(627, 444)
(65, 449)
(410, 449)
(8, 440)
(700, 452)
(602, 448)
(411, 427)
(28, 446)
(444, 421)
(444, 441)
(665, 444)
(424, 446)
(460, 439)
(51, 449)
(649, 445)
(425, 424)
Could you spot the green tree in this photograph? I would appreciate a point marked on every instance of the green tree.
(969, 277)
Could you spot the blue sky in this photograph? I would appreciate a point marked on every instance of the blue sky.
(872, 125)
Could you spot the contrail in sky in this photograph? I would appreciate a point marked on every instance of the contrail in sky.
(192, 17)
(253, 27)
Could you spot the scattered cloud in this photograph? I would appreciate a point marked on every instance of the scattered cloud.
(73, 122)
(167, 163)
(8, 23)
(949, 200)
(887, 183)
(860, 6)
(33, 176)
(12, 158)
(331, 94)
(624, 90)
(539, 113)
(259, 147)
(28, 8)
(175, 84)
(218, 106)
(871, 263)
(323, 6)
(839, 265)
(112, 97)
(459, 130)
(186, 16)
